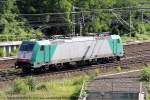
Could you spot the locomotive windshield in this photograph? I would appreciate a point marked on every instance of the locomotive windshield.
(27, 47)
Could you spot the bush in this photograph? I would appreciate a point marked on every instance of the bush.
(145, 75)
(93, 73)
(3, 96)
(24, 86)
(42, 87)
(14, 52)
(118, 68)
(30, 81)
(20, 86)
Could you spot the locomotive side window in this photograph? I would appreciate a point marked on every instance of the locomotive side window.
(118, 41)
(42, 48)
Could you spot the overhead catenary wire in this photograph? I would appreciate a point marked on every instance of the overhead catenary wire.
(9, 0)
(83, 11)
(42, 16)
(79, 12)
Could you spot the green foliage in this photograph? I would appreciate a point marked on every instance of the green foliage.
(9, 18)
(118, 69)
(20, 86)
(42, 87)
(93, 73)
(23, 86)
(148, 87)
(65, 87)
(30, 81)
(14, 52)
(145, 74)
(11, 23)
(1, 52)
(3, 95)
(95, 21)
(100, 21)
(137, 37)
(141, 28)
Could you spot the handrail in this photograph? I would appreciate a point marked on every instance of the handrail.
(17, 37)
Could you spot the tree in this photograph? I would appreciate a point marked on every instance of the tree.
(10, 21)
(97, 20)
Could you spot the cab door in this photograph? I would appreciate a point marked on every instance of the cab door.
(115, 46)
(40, 56)
(46, 53)
(119, 47)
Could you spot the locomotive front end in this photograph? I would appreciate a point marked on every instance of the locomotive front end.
(24, 57)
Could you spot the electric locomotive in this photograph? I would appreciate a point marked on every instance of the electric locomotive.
(47, 53)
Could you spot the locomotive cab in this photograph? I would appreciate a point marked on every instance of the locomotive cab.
(24, 56)
(32, 55)
(116, 46)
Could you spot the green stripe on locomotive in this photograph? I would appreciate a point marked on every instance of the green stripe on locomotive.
(42, 54)
(116, 45)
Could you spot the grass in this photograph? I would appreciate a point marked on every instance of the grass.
(14, 52)
(118, 69)
(65, 88)
(145, 78)
(56, 89)
(139, 37)
(1, 52)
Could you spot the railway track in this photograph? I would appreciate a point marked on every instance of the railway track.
(131, 49)
(7, 62)
(137, 48)
(124, 63)
(135, 55)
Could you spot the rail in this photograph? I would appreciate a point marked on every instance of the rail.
(137, 59)
(82, 95)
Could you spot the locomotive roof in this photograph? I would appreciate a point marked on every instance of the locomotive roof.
(74, 39)
(115, 36)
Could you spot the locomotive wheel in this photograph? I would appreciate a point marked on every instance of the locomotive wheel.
(118, 58)
(26, 70)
